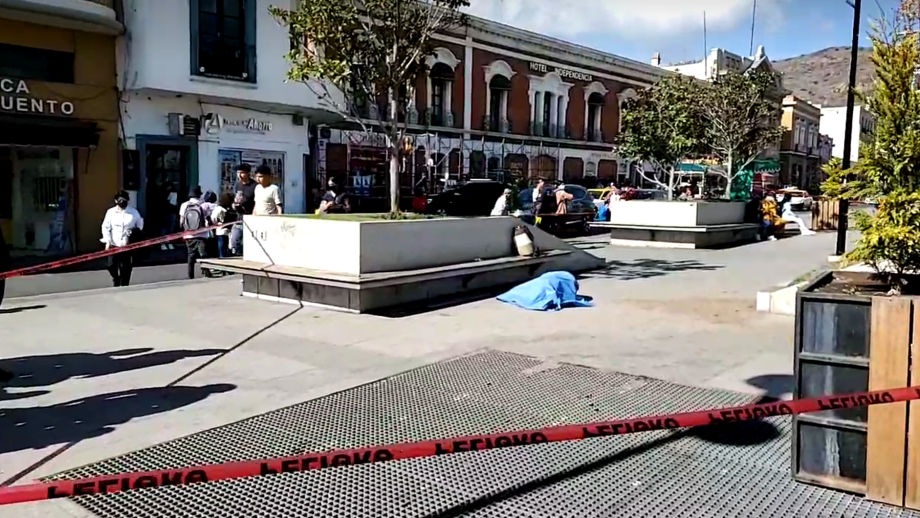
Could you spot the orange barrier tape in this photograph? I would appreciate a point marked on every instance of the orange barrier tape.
(334, 458)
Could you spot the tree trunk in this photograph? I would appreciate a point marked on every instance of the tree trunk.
(394, 178)
(731, 175)
(671, 184)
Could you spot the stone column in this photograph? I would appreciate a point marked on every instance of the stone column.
(538, 106)
(503, 120)
(488, 119)
(587, 107)
(553, 114)
(597, 122)
(563, 114)
(447, 109)
(428, 92)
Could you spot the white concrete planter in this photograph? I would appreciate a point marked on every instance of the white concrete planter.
(676, 213)
(360, 247)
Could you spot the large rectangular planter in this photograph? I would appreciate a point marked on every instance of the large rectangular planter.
(851, 343)
(360, 247)
(676, 213)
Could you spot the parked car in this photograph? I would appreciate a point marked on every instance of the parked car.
(474, 198)
(581, 211)
(800, 199)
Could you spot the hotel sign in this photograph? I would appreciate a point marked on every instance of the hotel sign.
(16, 97)
(563, 72)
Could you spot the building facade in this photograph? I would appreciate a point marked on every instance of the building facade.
(503, 103)
(804, 148)
(833, 124)
(204, 90)
(59, 128)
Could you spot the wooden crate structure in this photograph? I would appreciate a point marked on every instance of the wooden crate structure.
(824, 212)
(831, 357)
(893, 442)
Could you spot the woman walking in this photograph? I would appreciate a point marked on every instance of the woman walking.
(122, 225)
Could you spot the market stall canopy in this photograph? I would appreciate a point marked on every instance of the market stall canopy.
(767, 165)
(25, 130)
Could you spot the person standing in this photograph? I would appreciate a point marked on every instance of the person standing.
(501, 204)
(192, 217)
(221, 214)
(267, 195)
(538, 196)
(245, 201)
(171, 210)
(246, 186)
(562, 198)
(118, 224)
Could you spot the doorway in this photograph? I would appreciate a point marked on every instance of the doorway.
(168, 170)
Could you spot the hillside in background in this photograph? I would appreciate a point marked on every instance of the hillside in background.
(821, 77)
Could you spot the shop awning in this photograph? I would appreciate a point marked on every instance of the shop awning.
(26, 130)
(768, 165)
(690, 167)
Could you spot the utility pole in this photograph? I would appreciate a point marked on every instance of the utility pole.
(753, 23)
(844, 208)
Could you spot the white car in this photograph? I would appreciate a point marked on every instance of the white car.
(799, 199)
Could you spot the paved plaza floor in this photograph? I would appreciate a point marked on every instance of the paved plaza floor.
(107, 372)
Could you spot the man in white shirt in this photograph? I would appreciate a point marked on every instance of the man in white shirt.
(268, 196)
(501, 204)
(118, 224)
(193, 215)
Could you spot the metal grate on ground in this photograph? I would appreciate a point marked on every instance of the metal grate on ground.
(733, 472)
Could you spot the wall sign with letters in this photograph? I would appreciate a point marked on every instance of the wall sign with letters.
(16, 97)
(563, 72)
(215, 123)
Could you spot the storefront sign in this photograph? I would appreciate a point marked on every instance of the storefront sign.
(216, 123)
(563, 72)
(15, 96)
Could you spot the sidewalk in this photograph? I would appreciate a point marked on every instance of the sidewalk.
(201, 356)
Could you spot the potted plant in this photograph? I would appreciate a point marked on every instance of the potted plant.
(834, 313)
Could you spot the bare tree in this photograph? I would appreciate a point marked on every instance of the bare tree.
(362, 59)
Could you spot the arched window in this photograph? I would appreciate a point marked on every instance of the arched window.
(477, 164)
(499, 89)
(498, 76)
(595, 110)
(494, 164)
(544, 166)
(442, 78)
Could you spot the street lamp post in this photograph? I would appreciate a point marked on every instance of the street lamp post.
(842, 222)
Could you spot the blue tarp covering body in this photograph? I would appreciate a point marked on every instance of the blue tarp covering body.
(552, 290)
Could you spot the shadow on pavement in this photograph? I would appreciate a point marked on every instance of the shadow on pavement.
(775, 385)
(647, 268)
(41, 426)
(40, 371)
(732, 434)
(11, 311)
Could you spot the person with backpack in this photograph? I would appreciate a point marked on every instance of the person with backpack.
(192, 217)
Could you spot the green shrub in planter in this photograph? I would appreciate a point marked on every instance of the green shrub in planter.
(888, 169)
(890, 241)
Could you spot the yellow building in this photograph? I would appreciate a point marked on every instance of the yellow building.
(59, 151)
(800, 151)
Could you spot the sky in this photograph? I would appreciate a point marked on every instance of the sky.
(637, 29)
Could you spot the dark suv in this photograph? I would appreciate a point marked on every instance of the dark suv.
(475, 198)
